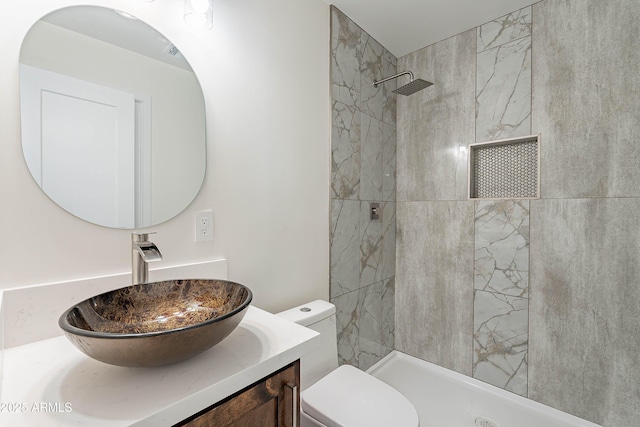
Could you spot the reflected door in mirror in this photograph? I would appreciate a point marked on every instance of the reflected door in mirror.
(130, 187)
(82, 136)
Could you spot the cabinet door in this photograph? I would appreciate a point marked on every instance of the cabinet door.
(271, 402)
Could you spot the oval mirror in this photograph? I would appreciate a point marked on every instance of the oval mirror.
(113, 118)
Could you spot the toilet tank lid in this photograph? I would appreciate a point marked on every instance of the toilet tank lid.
(350, 397)
(310, 313)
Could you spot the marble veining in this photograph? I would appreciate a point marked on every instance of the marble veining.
(501, 340)
(576, 346)
(503, 95)
(346, 56)
(345, 151)
(502, 247)
(505, 29)
(363, 251)
(370, 246)
(371, 69)
(387, 323)
(363, 171)
(372, 144)
(365, 324)
(370, 346)
(377, 247)
(501, 260)
(501, 280)
(345, 246)
(347, 325)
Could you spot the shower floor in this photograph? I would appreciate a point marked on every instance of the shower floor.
(444, 398)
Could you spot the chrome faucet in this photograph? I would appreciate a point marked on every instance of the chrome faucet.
(142, 253)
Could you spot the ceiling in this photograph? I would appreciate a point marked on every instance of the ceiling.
(403, 26)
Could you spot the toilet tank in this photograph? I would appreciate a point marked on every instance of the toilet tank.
(320, 316)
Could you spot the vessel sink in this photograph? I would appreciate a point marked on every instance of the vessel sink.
(155, 324)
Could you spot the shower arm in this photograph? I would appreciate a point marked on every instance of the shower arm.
(395, 76)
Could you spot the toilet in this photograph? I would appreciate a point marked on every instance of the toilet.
(342, 396)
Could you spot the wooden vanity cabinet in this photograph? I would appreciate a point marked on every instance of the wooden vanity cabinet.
(273, 401)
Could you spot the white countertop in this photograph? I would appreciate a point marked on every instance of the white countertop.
(60, 386)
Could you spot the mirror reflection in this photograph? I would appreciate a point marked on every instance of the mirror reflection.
(113, 118)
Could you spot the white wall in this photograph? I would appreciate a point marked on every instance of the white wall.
(264, 70)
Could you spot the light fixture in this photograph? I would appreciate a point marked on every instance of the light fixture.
(199, 13)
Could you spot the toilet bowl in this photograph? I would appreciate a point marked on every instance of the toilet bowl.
(342, 396)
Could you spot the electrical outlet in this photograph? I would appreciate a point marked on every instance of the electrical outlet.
(204, 225)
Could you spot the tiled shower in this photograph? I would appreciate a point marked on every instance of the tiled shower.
(538, 296)
(363, 138)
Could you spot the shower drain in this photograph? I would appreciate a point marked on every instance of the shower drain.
(484, 422)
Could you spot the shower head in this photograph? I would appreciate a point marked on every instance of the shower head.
(410, 88)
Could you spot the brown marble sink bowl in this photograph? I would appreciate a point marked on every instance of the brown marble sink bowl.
(156, 324)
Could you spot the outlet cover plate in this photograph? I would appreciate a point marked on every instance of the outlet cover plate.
(204, 226)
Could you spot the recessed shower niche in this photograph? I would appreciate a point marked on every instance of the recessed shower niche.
(505, 169)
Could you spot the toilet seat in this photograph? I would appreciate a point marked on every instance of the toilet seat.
(349, 397)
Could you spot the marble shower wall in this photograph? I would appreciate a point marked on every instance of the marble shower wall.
(501, 265)
(363, 141)
(480, 284)
(503, 90)
(561, 327)
(501, 283)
